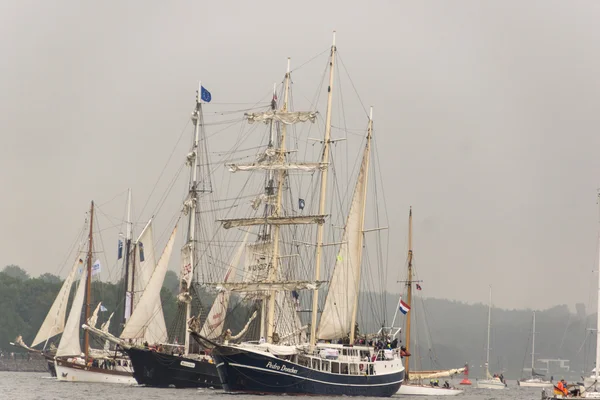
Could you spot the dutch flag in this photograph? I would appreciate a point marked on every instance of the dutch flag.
(404, 308)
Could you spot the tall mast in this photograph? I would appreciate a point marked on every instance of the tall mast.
(362, 224)
(277, 212)
(409, 290)
(487, 358)
(266, 236)
(88, 282)
(320, 229)
(128, 282)
(193, 198)
(533, 345)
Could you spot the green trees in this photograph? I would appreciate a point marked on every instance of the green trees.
(25, 301)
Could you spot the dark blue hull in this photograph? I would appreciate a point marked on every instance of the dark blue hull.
(155, 369)
(249, 372)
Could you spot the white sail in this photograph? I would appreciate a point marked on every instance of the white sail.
(94, 318)
(258, 262)
(336, 319)
(305, 167)
(147, 321)
(69, 342)
(213, 325)
(54, 323)
(145, 262)
(285, 117)
(105, 326)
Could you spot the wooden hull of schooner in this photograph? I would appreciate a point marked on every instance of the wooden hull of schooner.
(69, 371)
(245, 371)
(156, 369)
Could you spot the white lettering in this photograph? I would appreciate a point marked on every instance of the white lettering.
(282, 368)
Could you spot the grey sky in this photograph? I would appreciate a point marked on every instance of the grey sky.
(486, 114)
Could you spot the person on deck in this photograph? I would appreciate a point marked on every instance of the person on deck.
(561, 386)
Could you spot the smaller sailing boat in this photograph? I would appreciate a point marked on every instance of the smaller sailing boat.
(496, 381)
(536, 379)
(54, 323)
(413, 385)
(70, 362)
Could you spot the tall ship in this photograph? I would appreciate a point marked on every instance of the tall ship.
(172, 360)
(282, 353)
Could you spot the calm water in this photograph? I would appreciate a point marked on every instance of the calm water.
(30, 386)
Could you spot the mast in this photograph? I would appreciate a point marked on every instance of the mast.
(487, 359)
(193, 199)
(128, 282)
(268, 208)
(88, 282)
(362, 225)
(533, 345)
(320, 229)
(409, 291)
(277, 212)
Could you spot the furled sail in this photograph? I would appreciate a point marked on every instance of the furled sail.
(285, 117)
(416, 375)
(213, 325)
(265, 286)
(337, 316)
(69, 342)
(306, 167)
(54, 323)
(147, 321)
(303, 219)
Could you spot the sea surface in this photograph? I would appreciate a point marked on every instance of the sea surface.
(39, 386)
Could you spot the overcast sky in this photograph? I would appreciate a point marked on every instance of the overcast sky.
(486, 114)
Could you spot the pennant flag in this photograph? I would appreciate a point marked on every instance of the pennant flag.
(404, 308)
(120, 251)
(301, 204)
(102, 308)
(419, 287)
(205, 95)
(141, 246)
(96, 268)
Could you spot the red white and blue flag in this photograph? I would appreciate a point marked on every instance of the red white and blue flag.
(404, 308)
